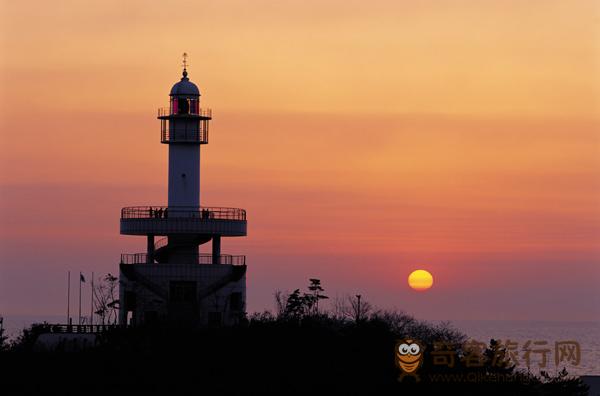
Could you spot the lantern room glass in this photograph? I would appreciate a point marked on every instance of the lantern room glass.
(184, 106)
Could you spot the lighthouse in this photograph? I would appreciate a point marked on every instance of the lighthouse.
(172, 281)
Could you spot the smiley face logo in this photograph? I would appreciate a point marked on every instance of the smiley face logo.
(409, 357)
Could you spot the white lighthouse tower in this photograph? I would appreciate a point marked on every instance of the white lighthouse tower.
(172, 281)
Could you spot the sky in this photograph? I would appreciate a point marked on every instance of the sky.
(364, 139)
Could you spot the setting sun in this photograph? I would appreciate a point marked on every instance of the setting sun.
(420, 280)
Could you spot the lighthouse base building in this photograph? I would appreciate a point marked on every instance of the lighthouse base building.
(210, 295)
(171, 282)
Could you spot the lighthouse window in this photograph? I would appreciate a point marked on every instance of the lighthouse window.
(184, 106)
(193, 106)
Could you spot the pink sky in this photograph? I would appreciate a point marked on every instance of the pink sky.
(364, 140)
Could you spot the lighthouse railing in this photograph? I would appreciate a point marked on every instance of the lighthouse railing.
(185, 133)
(167, 111)
(201, 258)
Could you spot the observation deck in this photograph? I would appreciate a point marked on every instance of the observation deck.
(163, 220)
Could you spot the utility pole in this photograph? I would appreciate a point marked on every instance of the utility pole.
(92, 302)
(79, 323)
(69, 298)
(358, 308)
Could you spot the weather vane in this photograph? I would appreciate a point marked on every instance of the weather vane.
(185, 55)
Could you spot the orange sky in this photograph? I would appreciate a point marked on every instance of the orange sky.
(365, 139)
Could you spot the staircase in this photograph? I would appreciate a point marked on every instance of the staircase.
(134, 276)
(162, 247)
(236, 274)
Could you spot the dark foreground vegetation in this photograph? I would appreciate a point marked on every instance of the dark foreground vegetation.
(298, 350)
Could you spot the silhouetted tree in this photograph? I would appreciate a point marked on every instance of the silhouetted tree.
(26, 340)
(563, 384)
(3, 338)
(299, 305)
(352, 308)
(106, 303)
(312, 298)
(295, 307)
(497, 358)
(280, 303)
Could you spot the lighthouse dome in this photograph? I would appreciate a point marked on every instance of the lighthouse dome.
(185, 87)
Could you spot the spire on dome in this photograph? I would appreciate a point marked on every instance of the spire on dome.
(185, 87)
(185, 64)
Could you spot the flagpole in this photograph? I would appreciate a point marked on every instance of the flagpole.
(79, 298)
(68, 297)
(92, 302)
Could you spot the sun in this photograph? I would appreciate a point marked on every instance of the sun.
(420, 280)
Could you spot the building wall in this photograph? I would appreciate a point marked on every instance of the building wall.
(184, 175)
(152, 288)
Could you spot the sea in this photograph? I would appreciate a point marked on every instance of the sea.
(549, 338)
(540, 338)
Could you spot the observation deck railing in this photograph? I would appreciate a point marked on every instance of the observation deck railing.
(175, 212)
(142, 258)
(163, 220)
